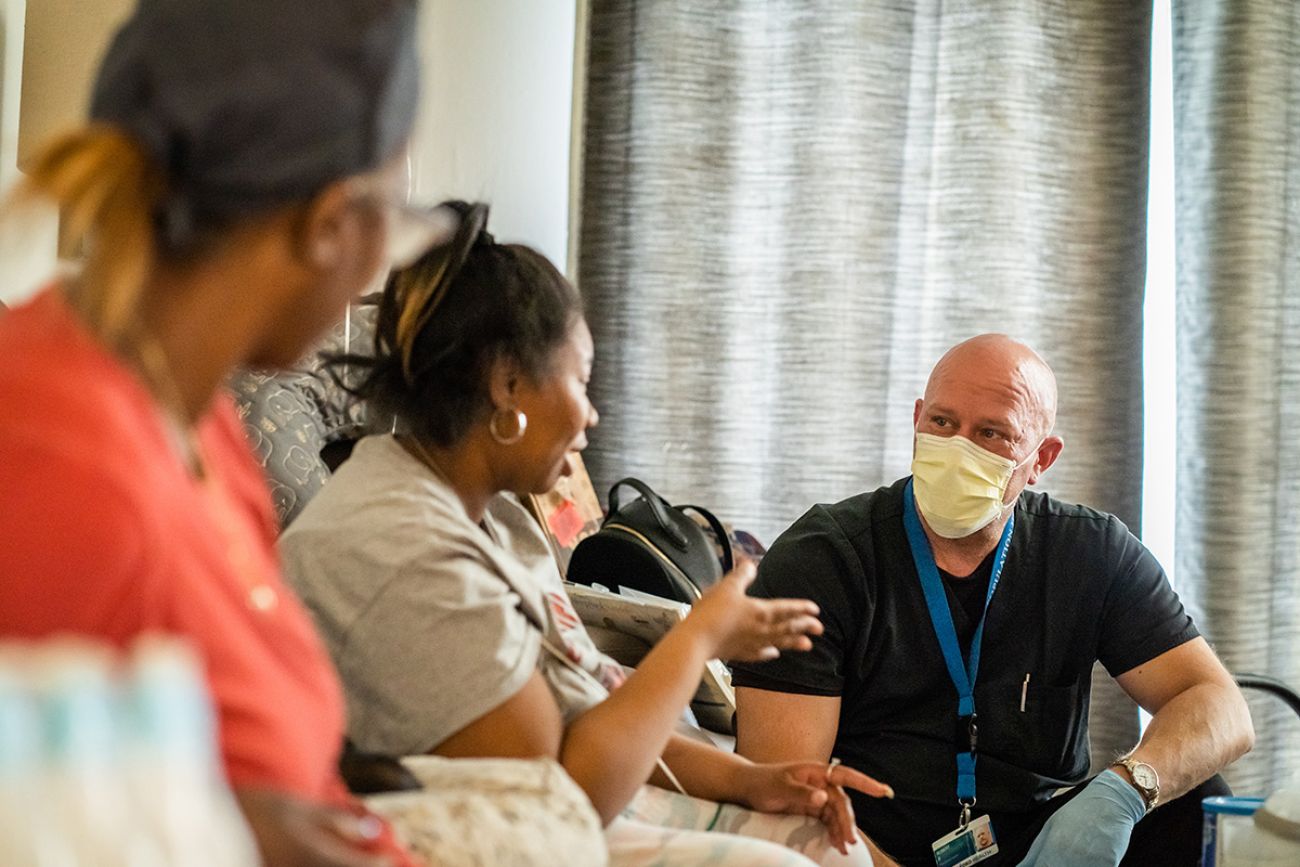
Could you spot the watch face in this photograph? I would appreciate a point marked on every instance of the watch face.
(1145, 776)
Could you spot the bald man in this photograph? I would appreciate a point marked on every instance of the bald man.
(963, 617)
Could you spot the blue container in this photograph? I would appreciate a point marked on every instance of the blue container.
(1221, 815)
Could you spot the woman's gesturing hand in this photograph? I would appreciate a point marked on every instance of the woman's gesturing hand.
(744, 628)
(811, 789)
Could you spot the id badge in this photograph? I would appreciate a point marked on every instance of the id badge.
(965, 846)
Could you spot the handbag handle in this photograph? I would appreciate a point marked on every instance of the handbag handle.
(658, 508)
(724, 541)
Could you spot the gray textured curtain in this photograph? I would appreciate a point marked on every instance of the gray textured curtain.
(1237, 146)
(790, 209)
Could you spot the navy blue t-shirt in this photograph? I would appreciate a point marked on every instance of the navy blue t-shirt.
(1077, 587)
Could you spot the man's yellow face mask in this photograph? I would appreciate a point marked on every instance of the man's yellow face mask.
(959, 486)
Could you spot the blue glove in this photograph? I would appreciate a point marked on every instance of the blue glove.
(1093, 829)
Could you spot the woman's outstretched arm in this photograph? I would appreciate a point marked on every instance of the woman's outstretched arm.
(611, 749)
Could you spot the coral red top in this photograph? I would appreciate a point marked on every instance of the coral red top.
(104, 533)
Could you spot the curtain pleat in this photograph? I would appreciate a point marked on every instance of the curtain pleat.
(1237, 153)
(791, 209)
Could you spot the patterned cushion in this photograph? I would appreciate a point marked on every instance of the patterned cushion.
(290, 416)
(502, 812)
(287, 431)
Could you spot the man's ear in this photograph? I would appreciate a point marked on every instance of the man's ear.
(1048, 452)
(503, 382)
(916, 412)
(323, 226)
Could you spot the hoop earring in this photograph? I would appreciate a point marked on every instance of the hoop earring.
(521, 425)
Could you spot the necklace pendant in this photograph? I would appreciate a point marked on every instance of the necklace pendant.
(263, 598)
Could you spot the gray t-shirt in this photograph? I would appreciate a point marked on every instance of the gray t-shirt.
(433, 620)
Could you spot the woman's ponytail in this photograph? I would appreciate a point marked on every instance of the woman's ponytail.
(107, 190)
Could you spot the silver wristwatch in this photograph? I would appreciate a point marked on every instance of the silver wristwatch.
(1145, 780)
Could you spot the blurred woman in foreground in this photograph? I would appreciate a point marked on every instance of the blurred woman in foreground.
(234, 190)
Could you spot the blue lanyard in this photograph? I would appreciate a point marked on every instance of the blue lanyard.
(962, 672)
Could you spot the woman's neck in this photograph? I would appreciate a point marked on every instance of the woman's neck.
(206, 330)
(465, 469)
(207, 318)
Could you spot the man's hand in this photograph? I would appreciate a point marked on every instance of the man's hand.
(291, 832)
(1093, 829)
(810, 789)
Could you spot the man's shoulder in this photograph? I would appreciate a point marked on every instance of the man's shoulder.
(1047, 515)
(855, 517)
(838, 542)
(1088, 539)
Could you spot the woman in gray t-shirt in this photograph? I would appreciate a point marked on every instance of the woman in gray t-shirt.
(442, 608)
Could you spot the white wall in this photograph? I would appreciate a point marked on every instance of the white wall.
(11, 66)
(27, 246)
(498, 114)
(496, 124)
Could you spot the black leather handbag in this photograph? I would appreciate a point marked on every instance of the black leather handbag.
(651, 546)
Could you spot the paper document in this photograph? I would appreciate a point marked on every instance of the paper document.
(649, 618)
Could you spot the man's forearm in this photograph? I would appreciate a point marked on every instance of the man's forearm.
(1195, 735)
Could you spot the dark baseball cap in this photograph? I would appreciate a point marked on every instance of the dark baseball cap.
(248, 104)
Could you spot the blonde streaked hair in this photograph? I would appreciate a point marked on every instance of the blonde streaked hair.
(107, 189)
